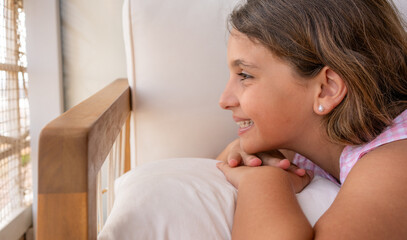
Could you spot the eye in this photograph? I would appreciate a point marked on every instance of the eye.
(244, 76)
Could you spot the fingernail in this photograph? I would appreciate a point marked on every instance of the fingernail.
(301, 172)
(284, 163)
(232, 162)
(255, 162)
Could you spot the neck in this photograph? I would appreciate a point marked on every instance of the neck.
(322, 152)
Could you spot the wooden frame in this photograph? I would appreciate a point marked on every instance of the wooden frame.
(72, 149)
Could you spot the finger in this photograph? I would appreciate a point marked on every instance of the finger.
(269, 160)
(234, 159)
(300, 172)
(310, 174)
(307, 178)
(284, 164)
(252, 160)
(304, 180)
(288, 166)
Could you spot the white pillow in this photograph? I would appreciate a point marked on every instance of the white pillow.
(188, 198)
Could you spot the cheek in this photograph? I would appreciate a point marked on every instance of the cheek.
(261, 106)
(253, 106)
(274, 116)
(264, 114)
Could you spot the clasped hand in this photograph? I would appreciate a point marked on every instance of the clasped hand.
(239, 165)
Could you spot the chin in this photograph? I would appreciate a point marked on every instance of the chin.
(250, 147)
(253, 146)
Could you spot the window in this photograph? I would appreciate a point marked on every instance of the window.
(15, 165)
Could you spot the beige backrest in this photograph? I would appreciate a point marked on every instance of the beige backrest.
(177, 68)
(402, 6)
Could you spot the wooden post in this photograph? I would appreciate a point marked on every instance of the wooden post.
(72, 149)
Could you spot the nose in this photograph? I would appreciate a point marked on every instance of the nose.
(228, 98)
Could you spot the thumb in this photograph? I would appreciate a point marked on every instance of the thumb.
(224, 167)
(234, 159)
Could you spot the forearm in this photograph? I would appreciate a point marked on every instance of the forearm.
(269, 211)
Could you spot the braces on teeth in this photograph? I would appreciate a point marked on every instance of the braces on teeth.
(244, 124)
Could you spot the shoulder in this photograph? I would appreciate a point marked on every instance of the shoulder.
(371, 203)
(351, 154)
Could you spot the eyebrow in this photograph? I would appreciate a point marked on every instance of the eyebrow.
(242, 62)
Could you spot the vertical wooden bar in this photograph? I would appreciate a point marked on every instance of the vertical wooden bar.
(127, 163)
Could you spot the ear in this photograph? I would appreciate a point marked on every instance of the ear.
(331, 90)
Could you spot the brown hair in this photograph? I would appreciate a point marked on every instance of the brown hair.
(362, 40)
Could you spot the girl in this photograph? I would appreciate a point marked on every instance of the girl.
(325, 81)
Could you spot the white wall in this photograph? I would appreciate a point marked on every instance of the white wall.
(44, 73)
(92, 46)
(93, 57)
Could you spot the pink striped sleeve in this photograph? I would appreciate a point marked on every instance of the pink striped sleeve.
(351, 154)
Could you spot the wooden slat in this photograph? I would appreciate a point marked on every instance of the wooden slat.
(127, 163)
(72, 149)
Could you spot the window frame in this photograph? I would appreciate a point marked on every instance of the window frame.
(20, 222)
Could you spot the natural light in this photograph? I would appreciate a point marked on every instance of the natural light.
(15, 164)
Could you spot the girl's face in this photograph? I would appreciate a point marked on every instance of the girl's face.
(269, 101)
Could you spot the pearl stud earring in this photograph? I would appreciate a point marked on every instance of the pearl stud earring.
(321, 108)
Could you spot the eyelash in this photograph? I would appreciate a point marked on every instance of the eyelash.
(244, 75)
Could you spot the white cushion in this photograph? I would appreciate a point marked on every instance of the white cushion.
(183, 199)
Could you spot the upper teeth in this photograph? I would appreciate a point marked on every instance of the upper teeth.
(244, 124)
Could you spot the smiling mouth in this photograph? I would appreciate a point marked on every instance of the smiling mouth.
(245, 124)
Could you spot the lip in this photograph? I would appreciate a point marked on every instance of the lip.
(239, 119)
(242, 131)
